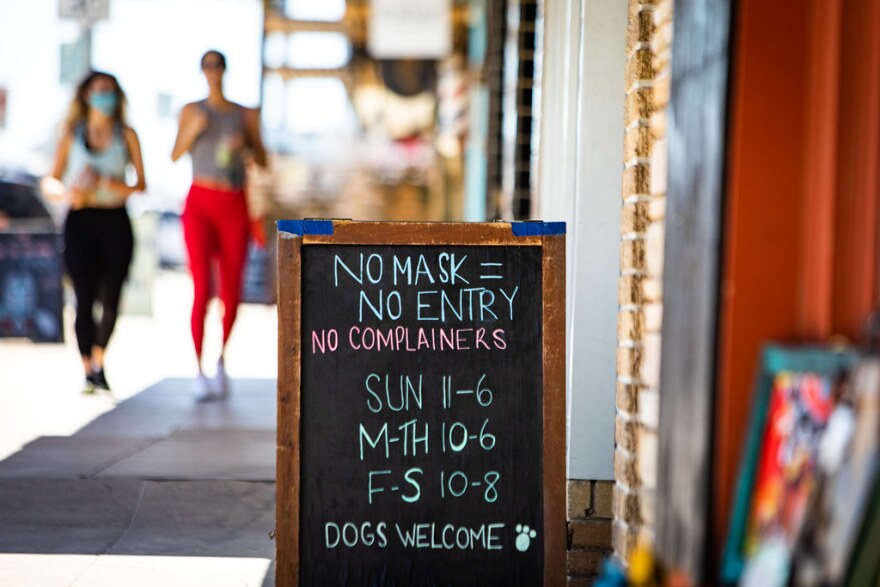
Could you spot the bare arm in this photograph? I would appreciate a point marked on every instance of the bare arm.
(192, 122)
(255, 140)
(80, 193)
(51, 184)
(61, 155)
(119, 187)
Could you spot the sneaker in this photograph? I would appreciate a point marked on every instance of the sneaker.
(221, 381)
(99, 380)
(204, 389)
(88, 386)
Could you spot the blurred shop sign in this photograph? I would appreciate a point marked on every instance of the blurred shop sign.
(75, 60)
(30, 285)
(84, 10)
(407, 29)
(258, 284)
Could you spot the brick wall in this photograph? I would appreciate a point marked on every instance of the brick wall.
(641, 265)
(649, 407)
(589, 529)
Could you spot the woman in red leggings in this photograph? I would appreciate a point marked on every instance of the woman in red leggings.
(218, 134)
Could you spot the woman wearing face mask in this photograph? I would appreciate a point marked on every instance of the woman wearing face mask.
(220, 136)
(96, 148)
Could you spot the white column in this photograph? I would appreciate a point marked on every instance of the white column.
(580, 183)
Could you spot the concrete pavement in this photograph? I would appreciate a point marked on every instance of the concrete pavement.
(145, 487)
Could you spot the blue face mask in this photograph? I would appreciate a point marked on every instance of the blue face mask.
(105, 102)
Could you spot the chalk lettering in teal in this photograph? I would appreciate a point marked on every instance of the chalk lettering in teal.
(473, 303)
(370, 489)
(463, 437)
(374, 269)
(408, 539)
(482, 392)
(453, 268)
(421, 306)
(402, 269)
(351, 535)
(491, 493)
(447, 270)
(457, 484)
(422, 269)
(408, 477)
(376, 406)
(406, 395)
(393, 303)
(510, 298)
(446, 302)
(491, 276)
(449, 537)
(486, 439)
(374, 442)
(373, 274)
(486, 306)
(412, 439)
(408, 434)
(337, 262)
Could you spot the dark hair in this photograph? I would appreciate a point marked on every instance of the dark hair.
(79, 107)
(215, 52)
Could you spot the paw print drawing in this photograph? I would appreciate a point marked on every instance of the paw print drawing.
(525, 537)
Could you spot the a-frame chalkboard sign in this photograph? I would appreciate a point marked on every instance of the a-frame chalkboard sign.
(421, 403)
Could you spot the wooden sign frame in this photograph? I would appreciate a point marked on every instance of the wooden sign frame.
(295, 234)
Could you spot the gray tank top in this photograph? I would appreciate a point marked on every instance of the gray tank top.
(217, 154)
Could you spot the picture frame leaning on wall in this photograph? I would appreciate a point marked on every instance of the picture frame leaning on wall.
(794, 397)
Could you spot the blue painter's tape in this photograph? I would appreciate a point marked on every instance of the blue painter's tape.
(537, 228)
(301, 227)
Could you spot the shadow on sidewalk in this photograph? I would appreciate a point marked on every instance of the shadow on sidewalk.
(159, 475)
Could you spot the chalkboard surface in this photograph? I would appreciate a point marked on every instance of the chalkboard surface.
(30, 286)
(421, 416)
(421, 404)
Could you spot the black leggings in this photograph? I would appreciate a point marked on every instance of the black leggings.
(98, 246)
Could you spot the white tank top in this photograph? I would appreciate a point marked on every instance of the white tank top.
(111, 161)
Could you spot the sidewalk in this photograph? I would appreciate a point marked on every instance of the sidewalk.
(145, 487)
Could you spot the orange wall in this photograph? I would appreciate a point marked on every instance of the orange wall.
(800, 258)
(858, 175)
(758, 296)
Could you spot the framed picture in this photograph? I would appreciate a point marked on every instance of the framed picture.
(838, 540)
(795, 395)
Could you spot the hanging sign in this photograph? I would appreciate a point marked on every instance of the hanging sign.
(403, 29)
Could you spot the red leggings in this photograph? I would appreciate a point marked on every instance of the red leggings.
(215, 225)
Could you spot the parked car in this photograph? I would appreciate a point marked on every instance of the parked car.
(22, 203)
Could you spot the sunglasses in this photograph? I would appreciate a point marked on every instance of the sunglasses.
(213, 65)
